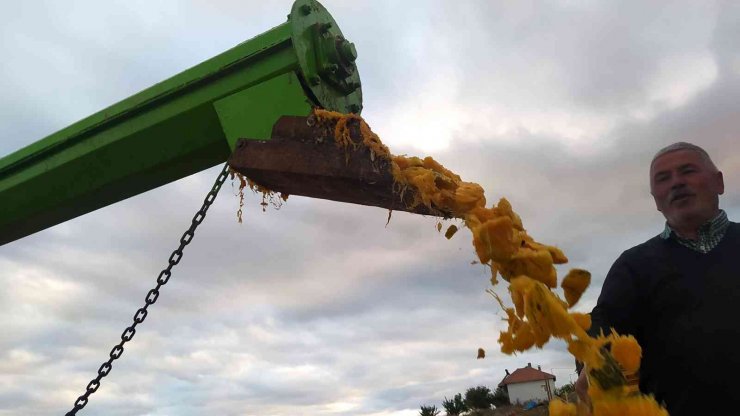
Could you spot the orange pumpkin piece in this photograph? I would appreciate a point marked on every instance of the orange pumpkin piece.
(496, 240)
(558, 407)
(628, 406)
(627, 352)
(481, 353)
(536, 264)
(582, 319)
(587, 352)
(574, 284)
(524, 337)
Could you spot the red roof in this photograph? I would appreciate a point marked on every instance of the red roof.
(523, 375)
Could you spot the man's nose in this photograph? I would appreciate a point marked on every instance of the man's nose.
(678, 183)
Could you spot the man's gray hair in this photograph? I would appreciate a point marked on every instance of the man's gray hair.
(685, 146)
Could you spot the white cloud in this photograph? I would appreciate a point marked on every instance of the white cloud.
(678, 79)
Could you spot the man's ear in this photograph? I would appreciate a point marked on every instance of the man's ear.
(720, 183)
(654, 199)
(656, 203)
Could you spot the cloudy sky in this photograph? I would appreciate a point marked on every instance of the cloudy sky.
(318, 308)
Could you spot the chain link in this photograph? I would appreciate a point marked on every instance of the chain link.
(153, 294)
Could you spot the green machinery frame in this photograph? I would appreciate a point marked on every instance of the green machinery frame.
(182, 125)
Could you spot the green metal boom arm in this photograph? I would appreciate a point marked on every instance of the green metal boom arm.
(182, 125)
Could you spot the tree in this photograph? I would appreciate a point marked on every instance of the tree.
(565, 390)
(428, 411)
(478, 398)
(500, 397)
(455, 406)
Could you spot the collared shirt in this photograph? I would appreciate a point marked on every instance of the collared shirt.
(709, 235)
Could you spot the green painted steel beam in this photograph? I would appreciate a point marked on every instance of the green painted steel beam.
(182, 125)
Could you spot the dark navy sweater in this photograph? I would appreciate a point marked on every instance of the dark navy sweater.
(684, 309)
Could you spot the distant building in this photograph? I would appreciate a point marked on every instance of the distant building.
(528, 383)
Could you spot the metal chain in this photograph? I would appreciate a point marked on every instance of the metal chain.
(153, 294)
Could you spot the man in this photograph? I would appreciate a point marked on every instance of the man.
(679, 292)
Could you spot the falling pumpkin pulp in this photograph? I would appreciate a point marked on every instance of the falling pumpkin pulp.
(502, 243)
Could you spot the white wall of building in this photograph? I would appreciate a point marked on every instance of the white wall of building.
(531, 390)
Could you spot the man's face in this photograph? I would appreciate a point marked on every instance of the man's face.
(686, 188)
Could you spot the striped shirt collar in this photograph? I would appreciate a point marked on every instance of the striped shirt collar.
(710, 234)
